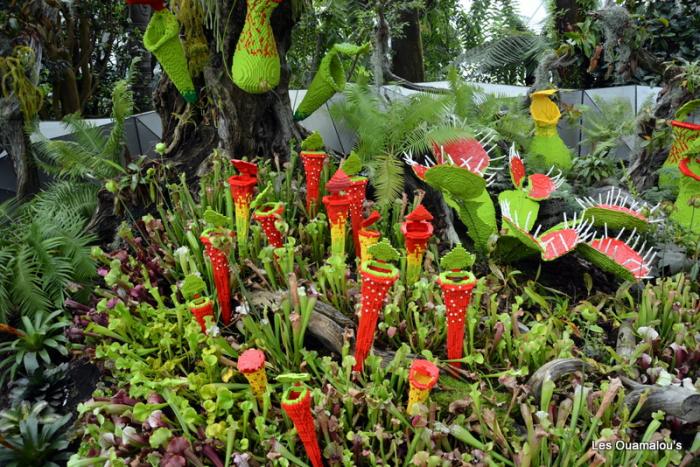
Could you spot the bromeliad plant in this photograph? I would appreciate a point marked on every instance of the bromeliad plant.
(378, 275)
(456, 283)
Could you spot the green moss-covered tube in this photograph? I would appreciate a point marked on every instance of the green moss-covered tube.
(256, 62)
(162, 39)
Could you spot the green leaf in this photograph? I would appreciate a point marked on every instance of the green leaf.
(193, 285)
(313, 142)
(458, 182)
(457, 258)
(352, 164)
(216, 219)
(383, 251)
(160, 437)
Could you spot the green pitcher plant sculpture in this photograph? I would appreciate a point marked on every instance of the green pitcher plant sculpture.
(329, 79)
(162, 39)
(687, 206)
(546, 144)
(256, 62)
(684, 133)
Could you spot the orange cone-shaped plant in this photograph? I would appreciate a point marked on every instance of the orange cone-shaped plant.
(422, 376)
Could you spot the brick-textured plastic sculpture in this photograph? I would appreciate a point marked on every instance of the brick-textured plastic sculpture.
(256, 62)
(162, 39)
(338, 209)
(422, 376)
(378, 275)
(684, 133)
(687, 206)
(252, 364)
(242, 190)
(546, 144)
(416, 231)
(268, 216)
(329, 79)
(296, 402)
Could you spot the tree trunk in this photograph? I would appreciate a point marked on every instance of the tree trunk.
(224, 116)
(140, 16)
(16, 142)
(407, 50)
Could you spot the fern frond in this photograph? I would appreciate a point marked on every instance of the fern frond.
(65, 198)
(26, 290)
(512, 49)
(386, 175)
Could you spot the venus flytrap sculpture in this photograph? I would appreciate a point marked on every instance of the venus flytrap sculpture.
(687, 206)
(462, 171)
(313, 157)
(422, 376)
(456, 284)
(546, 144)
(378, 275)
(217, 241)
(617, 211)
(296, 402)
(162, 39)
(338, 209)
(416, 230)
(242, 190)
(251, 364)
(256, 62)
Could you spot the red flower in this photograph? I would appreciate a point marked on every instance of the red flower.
(377, 279)
(313, 165)
(456, 289)
(296, 403)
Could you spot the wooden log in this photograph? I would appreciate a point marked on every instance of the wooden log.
(554, 370)
(676, 401)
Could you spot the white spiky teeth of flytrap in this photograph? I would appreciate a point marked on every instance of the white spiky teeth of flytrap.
(620, 200)
(634, 265)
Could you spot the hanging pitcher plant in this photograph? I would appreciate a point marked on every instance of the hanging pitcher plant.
(296, 402)
(313, 157)
(251, 364)
(338, 207)
(242, 190)
(378, 275)
(416, 231)
(422, 376)
(456, 284)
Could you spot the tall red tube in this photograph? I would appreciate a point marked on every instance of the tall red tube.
(456, 289)
(357, 194)
(220, 269)
(296, 402)
(377, 279)
(313, 165)
(266, 216)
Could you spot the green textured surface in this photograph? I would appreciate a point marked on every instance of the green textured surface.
(683, 213)
(329, 79)
(162, 39)
(522, 236)
(478, 215)
(352, 164)
(313, 143)
(550, 150)
(457, 258)
(521, 205)
(510, 249)
(384, 251)
(604, 262)
(615, 220)
(458, 182)
(256, 63)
